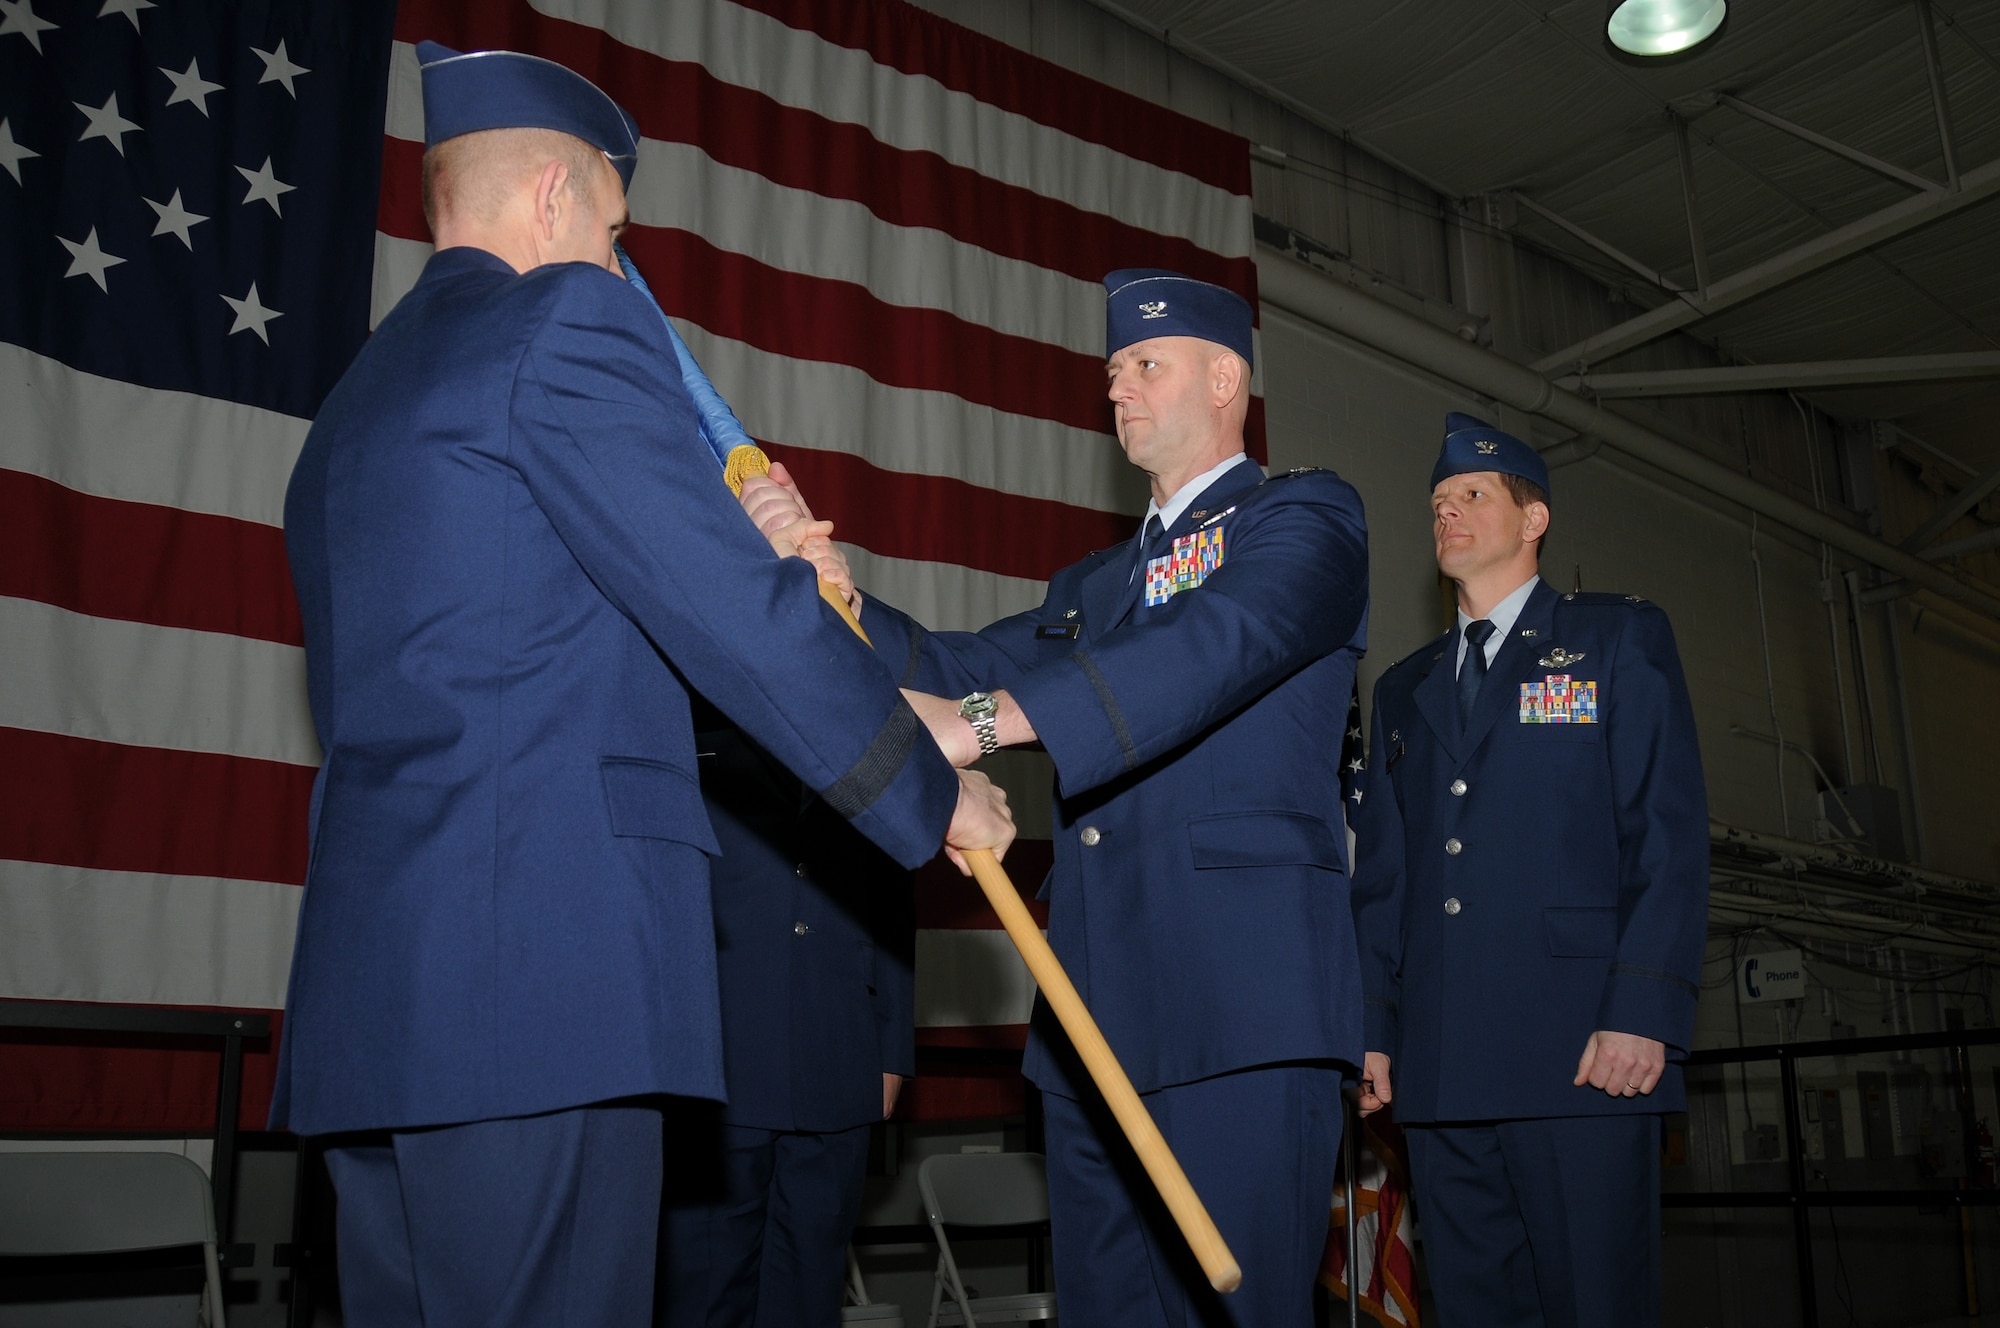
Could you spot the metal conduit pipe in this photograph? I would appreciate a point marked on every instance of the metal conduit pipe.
(1286, 283)
(1929, 905)
(1846, 862)
(1757, 906)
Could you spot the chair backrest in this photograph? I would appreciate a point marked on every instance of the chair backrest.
(75, 1203)
(985, 1189)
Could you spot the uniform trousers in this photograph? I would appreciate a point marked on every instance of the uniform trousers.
(1258, 1145)
(536, 1221)
(758, 1238)
(1550, 1222)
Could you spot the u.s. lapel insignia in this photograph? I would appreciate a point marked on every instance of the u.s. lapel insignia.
(1198, 514)
(1559, 658)
(1529, 631)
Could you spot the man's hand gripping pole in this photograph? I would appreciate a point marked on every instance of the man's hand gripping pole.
(1105, 1071)
(741, 460)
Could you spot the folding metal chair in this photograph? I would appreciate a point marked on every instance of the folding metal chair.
(101, 1203)
(982, 1190)
(864, 1310)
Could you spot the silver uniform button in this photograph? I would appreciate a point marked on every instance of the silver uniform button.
(1452, 846)
(800, 929)
(800, 869)
(1452, 906)
(1457, 788)
(1090, 836)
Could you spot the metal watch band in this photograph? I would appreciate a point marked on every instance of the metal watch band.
(980, 711)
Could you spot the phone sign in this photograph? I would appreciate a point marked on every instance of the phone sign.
(1777, 976)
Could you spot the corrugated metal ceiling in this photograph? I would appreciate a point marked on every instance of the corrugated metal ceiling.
(1486, 96)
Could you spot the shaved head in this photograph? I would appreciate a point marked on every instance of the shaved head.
(473, 175)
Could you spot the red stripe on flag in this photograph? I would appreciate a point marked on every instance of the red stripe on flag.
(934, 518)
(842, 322)
(83, 1081)
(677, 101)
(834, 322)
(947, 901)
(915, 42)
(986, 1037)
(112, 807)
(949, 1088)
(141, 562)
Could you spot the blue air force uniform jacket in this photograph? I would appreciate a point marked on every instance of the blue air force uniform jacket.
(1542, 875)
(1199, 893)
(514, 555)
(815, 933)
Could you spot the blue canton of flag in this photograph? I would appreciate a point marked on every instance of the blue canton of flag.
(190, 190)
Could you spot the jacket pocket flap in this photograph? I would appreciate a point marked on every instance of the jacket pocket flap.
(1264, 839)
(1581, 933)
(654, 800)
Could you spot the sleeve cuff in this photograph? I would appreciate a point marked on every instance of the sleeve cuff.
(1379, 1026)
(1649, 1003)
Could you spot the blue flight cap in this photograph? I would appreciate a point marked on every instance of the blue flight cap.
(1474, 445)
(509, 90)
(1147, 302)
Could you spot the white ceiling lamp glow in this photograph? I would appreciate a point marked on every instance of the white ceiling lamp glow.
(1654, 28)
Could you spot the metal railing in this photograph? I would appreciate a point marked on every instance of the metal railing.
(1797, 1195)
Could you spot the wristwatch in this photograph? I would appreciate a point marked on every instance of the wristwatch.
(979, 710)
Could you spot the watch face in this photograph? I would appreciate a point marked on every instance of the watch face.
(977, 706)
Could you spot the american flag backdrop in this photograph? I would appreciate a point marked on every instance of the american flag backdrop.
(881, 234)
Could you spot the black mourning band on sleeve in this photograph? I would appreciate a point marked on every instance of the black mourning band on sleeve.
(1098, 685)
(916, 659)
(868, 778)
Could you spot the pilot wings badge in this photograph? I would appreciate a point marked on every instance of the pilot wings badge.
(1559, 658)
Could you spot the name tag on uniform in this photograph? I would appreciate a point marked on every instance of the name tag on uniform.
(1559, 699)
(1057, 631)
(1184, 566)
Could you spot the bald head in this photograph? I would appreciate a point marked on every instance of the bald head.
(474, 175)
(531, 196)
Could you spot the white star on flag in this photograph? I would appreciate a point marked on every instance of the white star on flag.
(175, 219)
(106, 123)
(88, 260)
(19, 16)
(12, 154)
(278, 68)
(265, 185)
(1355, 797)
(251, 314)
(1353, 764)
(190, 87)
(129, 8)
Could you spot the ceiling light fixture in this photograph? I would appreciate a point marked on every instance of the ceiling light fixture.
(1654, 28)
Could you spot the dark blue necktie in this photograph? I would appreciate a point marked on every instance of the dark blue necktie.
(1148, 539)
(1473, 671)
